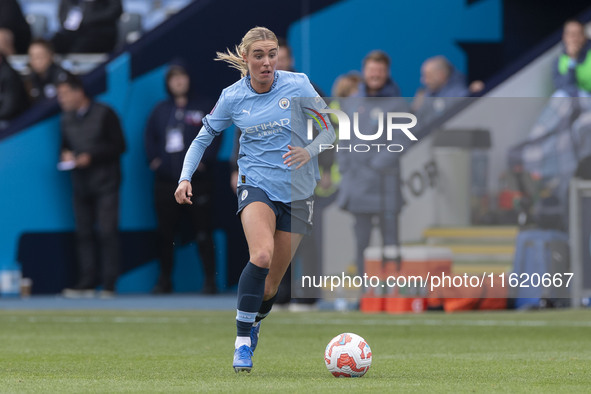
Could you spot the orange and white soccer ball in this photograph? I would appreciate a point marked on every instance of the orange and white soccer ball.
(347, 355)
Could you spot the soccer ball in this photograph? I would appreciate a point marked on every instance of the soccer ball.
(347, 355)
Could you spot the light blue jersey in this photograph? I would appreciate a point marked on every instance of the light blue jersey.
(269, 122)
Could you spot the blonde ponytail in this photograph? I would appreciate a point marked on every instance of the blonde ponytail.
(235, 59)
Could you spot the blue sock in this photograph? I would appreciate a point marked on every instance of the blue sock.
(251, 288)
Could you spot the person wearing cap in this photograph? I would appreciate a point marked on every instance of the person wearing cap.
(172, 126)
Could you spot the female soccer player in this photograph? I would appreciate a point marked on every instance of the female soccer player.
(277, 171)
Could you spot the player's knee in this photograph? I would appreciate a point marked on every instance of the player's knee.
(261, 258)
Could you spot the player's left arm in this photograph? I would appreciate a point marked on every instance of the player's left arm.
(296, 155)
(326, 133)
(301, 155)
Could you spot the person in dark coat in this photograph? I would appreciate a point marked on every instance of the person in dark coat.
(91, 147)
(87, 26)
(370, 181)
(13, 98)
(13, 20)
(171, 128)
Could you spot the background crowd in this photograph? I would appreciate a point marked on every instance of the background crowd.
(92, 138)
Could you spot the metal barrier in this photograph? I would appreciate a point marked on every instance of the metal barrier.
(578, 228)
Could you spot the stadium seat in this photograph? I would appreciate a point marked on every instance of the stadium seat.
(20, 63)
(46, 8)
(174, 6)
(142, 7)
(82, 63)
(39, 25)
(130, 28)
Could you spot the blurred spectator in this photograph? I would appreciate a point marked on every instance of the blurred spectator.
(92, 143)
(87, 26)
(370, 181)
(171, 128)
(13, 98)
(7, 42)
(345, 86)
(310, 253)
(284, 57)
(45, 74)
(376, 77)
(572, 74)
(440, 79)
(443, 84)
(559, 135)
(12, 19)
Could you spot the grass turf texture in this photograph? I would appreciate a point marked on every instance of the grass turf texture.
(118, 351)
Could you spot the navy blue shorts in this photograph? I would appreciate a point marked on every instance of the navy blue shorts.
(295, 217)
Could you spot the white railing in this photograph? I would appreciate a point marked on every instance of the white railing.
(78, 63)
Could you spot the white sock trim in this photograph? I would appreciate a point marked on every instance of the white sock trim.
(241, 341)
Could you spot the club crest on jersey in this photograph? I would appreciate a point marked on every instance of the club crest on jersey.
(244, 195)
(284, 103)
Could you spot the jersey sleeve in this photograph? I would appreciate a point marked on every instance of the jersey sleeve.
(220, 117)
(195, 153)
(326, 134)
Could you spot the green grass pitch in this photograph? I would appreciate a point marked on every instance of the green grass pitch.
(191, 351)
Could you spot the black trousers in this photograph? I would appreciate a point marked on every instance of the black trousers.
(364, 223)
(170, 215)
(97, 222)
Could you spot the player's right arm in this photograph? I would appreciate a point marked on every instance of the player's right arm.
(219, 119)
(193, 157)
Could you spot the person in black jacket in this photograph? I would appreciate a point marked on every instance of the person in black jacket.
(13, 98)
(87, 26)
(13, 20)
(92, 143)
(45, 74)
(171, 128)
